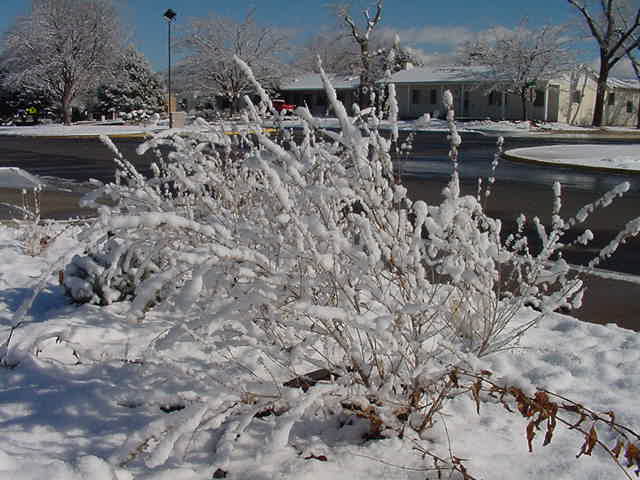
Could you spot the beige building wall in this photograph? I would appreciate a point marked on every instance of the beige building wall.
(621, 107)
(569, 100)
(577, 100)
(472, 101)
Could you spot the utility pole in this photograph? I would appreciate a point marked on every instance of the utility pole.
(169, 15)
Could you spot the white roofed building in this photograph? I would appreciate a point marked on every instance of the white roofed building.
(569, 99)
(308, 90)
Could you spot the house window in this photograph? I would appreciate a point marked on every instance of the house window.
(611, 99)
(321, 100)
(577, 96)
(629, 106)
(495, 98)
(539, 100)
(433, 96)
(415, 97)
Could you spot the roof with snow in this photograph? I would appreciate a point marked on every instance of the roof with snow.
(313, 81)
(425, 75)
(442, 74)
(627, 83)
(612, 82)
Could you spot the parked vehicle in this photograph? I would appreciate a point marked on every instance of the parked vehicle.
(281, 106)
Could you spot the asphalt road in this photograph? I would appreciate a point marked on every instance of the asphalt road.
(77, 159)
(519, 188)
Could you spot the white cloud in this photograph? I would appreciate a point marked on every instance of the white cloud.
(622, 69)
(430, 34)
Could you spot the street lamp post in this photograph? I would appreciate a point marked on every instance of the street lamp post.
(169, 15)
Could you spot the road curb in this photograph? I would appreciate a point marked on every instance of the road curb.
(515, 158)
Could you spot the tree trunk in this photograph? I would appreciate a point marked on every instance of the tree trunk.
(523, 99)
(598, 109)
(67, 97)
(366, 85)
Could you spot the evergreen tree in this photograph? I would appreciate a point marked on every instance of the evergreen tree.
(19, 103)
(135, 93)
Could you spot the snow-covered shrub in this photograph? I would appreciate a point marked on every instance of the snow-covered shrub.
(301, 253)
(133, 91)
(35, 233)
(107, 276)
(136, 116)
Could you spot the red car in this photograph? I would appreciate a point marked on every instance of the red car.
(281, 106)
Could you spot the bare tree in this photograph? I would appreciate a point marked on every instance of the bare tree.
(210, 45)
(340, 54)
(516, 59)
(63, 47)
(615, 25)
(335, 49)
(362, 36)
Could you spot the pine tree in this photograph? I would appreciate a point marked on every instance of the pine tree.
(135, 93)
(18, 103)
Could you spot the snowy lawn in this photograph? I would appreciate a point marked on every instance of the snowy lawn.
(14, 177)
(80, 130)
(93, 392)
(424, 124)
(606, 157)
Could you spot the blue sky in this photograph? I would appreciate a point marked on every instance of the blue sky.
(435, 27)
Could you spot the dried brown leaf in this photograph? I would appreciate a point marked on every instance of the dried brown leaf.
(590, 441)
(541, 398)
(612, 417)
(551, 426)
(632, 454)
(453, 376)
(475, 391)
(531, 433)
(615, 451)
(522, 402)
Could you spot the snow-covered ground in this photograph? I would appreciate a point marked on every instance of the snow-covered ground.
(87, 403)
(14, 177)
(484, 127)
(615, 157)
(76, 130)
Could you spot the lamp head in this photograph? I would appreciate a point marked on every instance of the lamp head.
(169, 15)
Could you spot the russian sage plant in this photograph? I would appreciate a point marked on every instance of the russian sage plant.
(299, 252)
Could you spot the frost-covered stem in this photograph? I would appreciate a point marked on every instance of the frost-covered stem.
(631, 229)
(454, 138)
(261, 92)
(494, 165)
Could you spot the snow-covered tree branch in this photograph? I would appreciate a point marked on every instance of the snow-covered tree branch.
(134, 91)
(615, 26)
(516, 59)
(361, 34)
(210, 45)
(64, 47)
